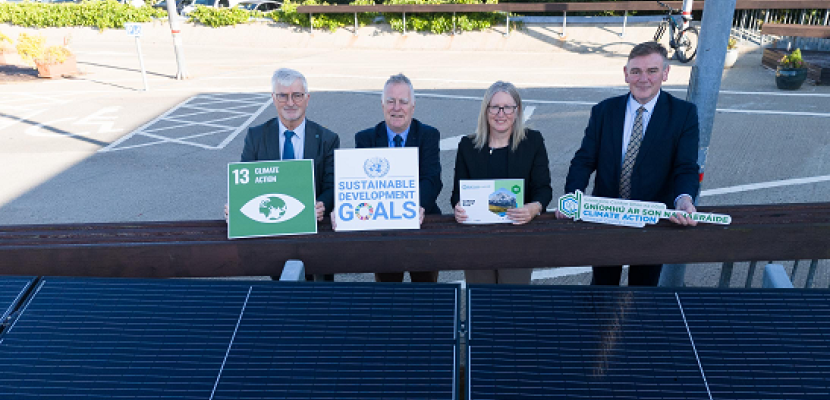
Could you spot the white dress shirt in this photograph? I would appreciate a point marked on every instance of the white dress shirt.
(297, 140)
(631, 115)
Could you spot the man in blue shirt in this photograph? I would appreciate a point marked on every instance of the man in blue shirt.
(399, 129)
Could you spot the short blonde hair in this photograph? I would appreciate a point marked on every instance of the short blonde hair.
(482, 134)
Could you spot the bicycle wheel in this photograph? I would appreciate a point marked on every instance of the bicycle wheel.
(686, 44)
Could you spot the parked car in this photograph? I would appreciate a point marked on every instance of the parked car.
(208, 3)
(179, 5)
(260, 5)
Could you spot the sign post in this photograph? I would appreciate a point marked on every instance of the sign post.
(134, 30)
(271, 198)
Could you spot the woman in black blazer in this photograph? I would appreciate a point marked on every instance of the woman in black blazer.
(502, 148)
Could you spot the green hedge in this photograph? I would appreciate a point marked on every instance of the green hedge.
(111, 14)
(99, 14)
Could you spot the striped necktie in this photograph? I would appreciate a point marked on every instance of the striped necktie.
(631, 154)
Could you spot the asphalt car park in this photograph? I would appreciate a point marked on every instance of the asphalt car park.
(104, 151)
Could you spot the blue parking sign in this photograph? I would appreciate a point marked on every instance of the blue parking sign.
(133, 29)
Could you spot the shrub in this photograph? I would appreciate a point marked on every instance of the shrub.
(215, 17)
(99, 14)
(792, 60)
(30, 47)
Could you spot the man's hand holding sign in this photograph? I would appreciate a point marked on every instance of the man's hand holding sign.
(631, 213)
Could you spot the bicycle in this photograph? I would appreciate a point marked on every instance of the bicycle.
(682, 41)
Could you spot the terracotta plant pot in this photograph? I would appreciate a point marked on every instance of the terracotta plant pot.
(790, 78)
(731, 58)
(68, 67)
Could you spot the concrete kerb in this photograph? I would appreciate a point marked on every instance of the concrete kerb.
(532, 38)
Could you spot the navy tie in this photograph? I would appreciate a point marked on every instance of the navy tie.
(288, 147)
(398, 141)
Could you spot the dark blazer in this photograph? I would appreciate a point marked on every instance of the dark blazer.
(262, 144)
(425, 138)
(528, 162)
(666, 166)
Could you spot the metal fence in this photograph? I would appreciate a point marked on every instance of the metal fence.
(747, 27)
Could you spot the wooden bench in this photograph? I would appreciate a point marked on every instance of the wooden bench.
(201, 248)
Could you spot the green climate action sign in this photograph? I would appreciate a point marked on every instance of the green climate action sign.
(271, 198)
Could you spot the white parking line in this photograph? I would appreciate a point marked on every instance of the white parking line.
(200, 104)
(765, 185)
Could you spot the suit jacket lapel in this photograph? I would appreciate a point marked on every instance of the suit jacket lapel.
(272, 140)
(412, 136)
(381, 140)
(617, 129)
(656, 127)
(311, 142)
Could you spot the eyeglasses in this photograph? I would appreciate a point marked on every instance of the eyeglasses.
(508, 110)
(402, 102)
(296, 96)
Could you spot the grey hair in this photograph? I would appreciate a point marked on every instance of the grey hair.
(395, 79)
(287, 77)
(649, 48)
(482, 133)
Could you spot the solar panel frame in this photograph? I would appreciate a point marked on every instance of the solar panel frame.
(12, 290)
(236, 327)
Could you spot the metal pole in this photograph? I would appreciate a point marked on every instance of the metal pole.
(355, 24)
(176, 30)
(811, 274)
(625, 21)
(726, 274)
(704, 86)
(750, 274)
(404, 23)
(826, 14)
(453, 23)
(310, 23)
(507, 24)
(564, 23)
(141, 63)
(687, 13)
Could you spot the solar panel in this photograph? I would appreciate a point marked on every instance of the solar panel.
(369, 342)
(187, 339)
(11, 292)
(762, 344)
(602, 343)
(555, 343)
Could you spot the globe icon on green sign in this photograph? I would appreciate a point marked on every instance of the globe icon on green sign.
(273, 208)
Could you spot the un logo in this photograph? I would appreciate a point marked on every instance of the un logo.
(376, 167)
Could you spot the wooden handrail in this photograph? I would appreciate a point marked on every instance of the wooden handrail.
(557, 7)
(200, 248)
(814, 31)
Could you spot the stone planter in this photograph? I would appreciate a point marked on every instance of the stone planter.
(790, 78)
(68, 67)
(731, 58)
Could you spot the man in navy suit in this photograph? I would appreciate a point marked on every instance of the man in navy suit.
(642, 146)
(399, 129)
(292, 136)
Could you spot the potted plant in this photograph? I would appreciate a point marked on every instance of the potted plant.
(791, 72)
(51, 62)
(731, 53)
